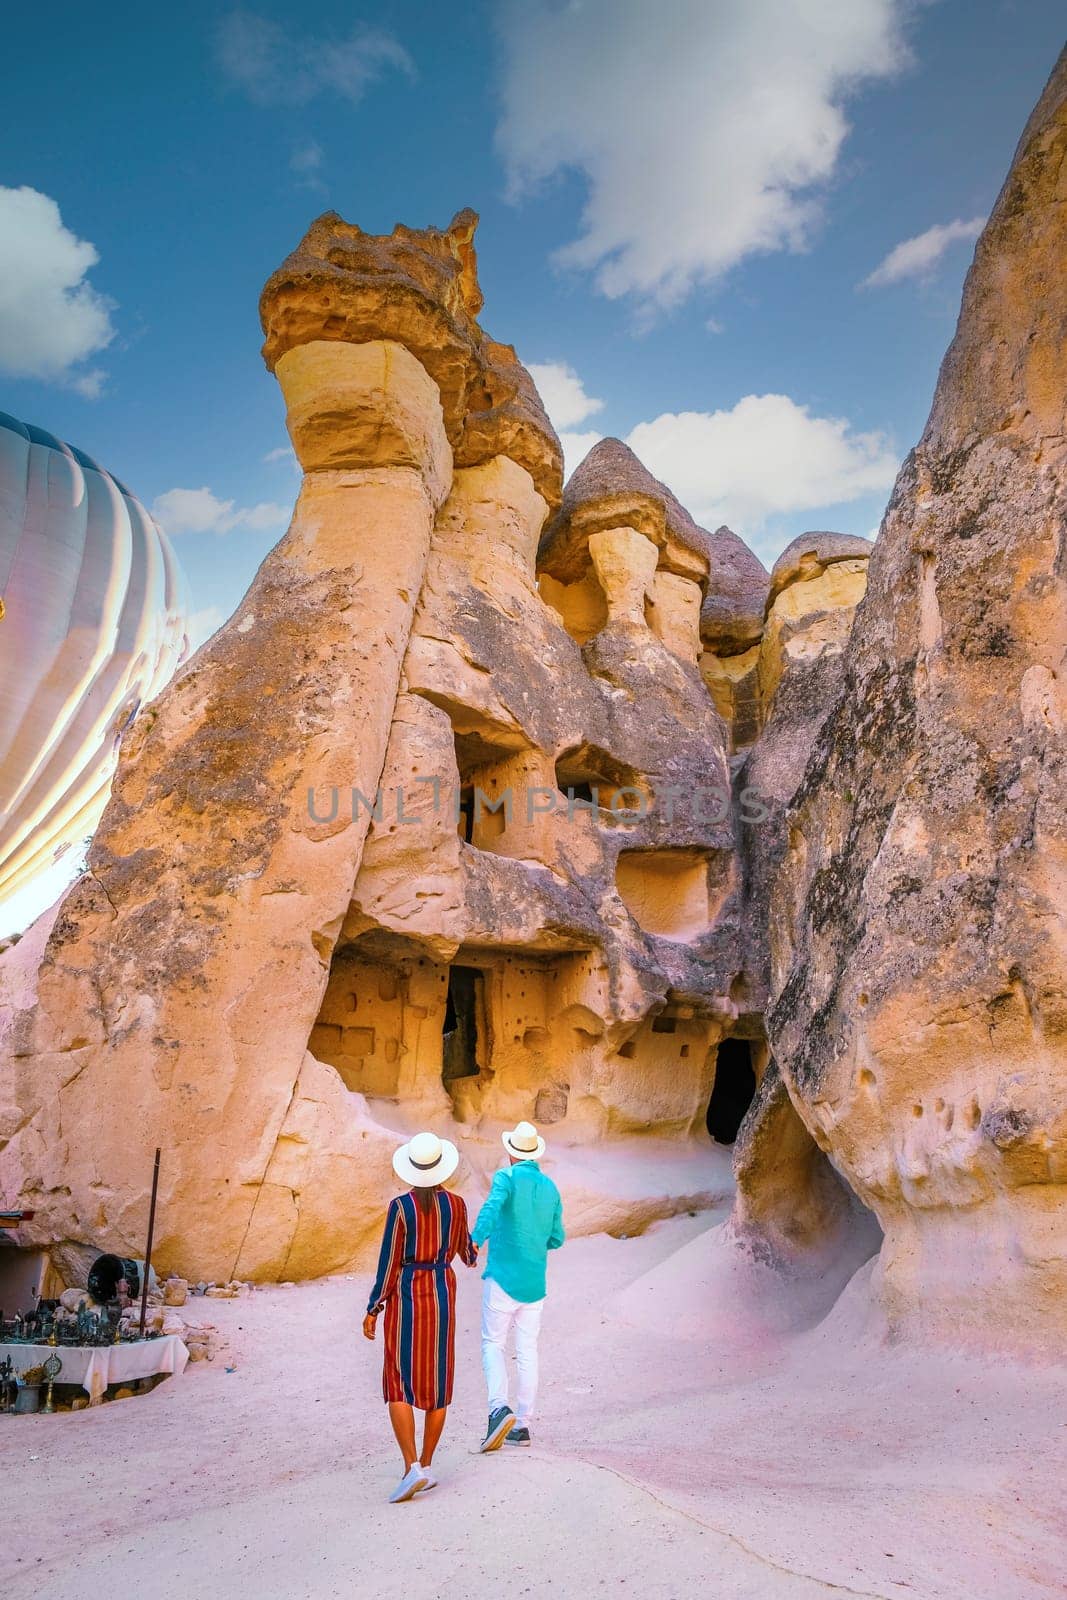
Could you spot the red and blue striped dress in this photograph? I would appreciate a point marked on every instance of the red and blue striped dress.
(416, 1287)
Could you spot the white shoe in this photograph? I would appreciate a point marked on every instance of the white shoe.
(430, 1483)
(414, 1479)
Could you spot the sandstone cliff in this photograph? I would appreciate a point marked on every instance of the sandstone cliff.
(424, 834)
(448, 826)
(919, 1007)
(731, 629)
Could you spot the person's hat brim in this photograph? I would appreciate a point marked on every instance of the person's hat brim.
(522, 1155)
(440, 1172)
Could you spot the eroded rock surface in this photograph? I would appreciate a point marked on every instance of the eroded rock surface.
(498, 801)
(815, 587)
(920, 951)
(731, 630)
(413, 840)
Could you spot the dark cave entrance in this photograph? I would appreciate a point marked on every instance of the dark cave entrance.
(733, 1090)
(463, 1008)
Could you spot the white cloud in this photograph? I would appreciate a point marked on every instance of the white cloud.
(713, 325)
(563, 393)
(275, 67)
(705, 129)
(202, 624)
(917, 258)
(567, 404)
(199, 511)
(764, 456)
(51, 318)
(89, 384)
(306, 156)
(304, 164)
(576, 446)
(282, 452)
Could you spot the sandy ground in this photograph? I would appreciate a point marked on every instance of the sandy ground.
(662, 1466)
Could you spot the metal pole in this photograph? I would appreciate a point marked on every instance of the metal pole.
(148, 1246)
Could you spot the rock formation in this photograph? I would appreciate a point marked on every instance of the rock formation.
(814, 589)
(497, 800)
(797, 1231)
(731, 628)
(919, 937)
(430, 832)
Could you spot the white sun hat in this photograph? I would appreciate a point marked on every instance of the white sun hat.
(524, 1142)
(426, 1160)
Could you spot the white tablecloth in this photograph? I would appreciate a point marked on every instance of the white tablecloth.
(97, 1366)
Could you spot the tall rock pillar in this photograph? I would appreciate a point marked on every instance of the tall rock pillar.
(919, 948)
(176, 993)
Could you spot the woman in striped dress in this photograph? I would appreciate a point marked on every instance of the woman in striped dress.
(416, 1288)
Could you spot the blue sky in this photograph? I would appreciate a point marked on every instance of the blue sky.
(681, 203)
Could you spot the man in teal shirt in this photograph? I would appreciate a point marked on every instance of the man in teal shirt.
(522, 1219)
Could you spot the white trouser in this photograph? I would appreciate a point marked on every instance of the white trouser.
(500, 1313)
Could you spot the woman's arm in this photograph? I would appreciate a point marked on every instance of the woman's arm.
(466, 1248)
(389, 1259)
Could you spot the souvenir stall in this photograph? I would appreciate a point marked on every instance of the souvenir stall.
(90, 1338)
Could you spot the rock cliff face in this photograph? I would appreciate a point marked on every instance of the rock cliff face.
(428, 834)
(495, 800)
(793, 1214)
(919, 940)
(731, 628)
(812, 595)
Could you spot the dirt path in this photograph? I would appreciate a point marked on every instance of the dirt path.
(661, 1467)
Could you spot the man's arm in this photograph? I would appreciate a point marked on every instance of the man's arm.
(557, 1236)
(491, 1208)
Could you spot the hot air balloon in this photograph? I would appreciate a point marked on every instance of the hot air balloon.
(94, 623)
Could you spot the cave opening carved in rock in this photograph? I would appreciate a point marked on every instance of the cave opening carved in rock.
(361, 1023)
(667, 891)
(733, 1090)
(581, 606)
(588, 775)
(485, 801)
(463, 1028)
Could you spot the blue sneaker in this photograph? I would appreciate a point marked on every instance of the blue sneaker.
(518, 1436)
(500, 1421)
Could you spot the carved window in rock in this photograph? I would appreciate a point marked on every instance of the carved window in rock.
(587, 775)
(363, 1018)
(486, 800)
(661, 1076)
(672, 893)
(581, 606)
